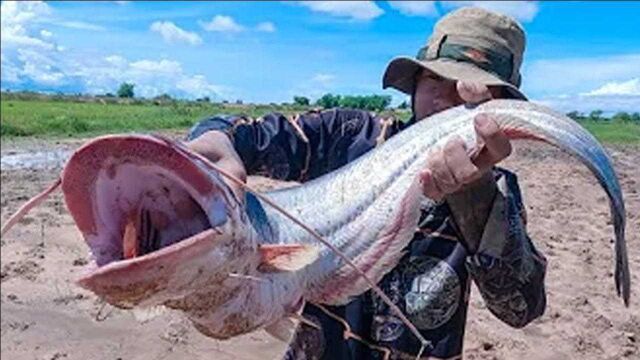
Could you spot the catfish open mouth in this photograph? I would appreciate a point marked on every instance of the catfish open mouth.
(132, 198)
(149, 229)
(143, 210)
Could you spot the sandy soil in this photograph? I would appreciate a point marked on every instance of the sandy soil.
(46, 316)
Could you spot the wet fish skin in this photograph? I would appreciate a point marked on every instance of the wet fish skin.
(401, 158)
(370, 224)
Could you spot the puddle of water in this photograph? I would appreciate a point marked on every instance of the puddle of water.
(53, 159)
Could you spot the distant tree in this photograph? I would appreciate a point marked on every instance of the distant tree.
(575, 115)
(353, 102)
(126, 90)
(163, 97)
(403, 105)
(378, 102)
(369, 102)
(635, 117)
(329, 101)
(301, 100)
(109, 95)
(622, 117)
(596, 115)
(239, 102)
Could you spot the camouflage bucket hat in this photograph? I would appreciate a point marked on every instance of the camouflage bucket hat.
(469, 44)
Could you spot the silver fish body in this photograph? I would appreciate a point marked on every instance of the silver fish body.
(352, 206)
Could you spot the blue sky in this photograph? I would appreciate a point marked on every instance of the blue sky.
(580, 56)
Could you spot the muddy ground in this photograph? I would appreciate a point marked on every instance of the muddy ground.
(46, 316)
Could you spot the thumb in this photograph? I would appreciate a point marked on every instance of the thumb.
(473, 92)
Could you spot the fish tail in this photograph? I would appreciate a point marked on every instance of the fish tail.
(525, 120)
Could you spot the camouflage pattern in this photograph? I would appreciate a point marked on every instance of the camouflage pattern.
(469, 44)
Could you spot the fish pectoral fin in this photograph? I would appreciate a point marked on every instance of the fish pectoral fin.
(290, 257)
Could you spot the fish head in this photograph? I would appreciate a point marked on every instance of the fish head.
(159, 223)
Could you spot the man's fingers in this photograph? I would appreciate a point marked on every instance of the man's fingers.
(496, 144)
(473, 93)
(458, 161)
(442, 175)
(429, 187)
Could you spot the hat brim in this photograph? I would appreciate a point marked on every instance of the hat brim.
(401, 74)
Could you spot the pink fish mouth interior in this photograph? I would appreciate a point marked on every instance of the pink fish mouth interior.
(133, 197)
(142, 210)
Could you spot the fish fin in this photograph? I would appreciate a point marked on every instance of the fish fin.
(283, 329)
(144, 315)
(290, 257)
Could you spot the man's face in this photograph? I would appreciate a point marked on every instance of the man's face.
(434, 94)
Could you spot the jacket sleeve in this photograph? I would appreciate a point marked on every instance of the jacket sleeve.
(301, 147)
(507, 268)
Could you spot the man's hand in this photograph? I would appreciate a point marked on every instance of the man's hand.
(453, 167)
(216, 146)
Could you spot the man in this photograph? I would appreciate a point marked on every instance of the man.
(476, 230)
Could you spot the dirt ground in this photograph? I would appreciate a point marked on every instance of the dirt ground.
(46, 316)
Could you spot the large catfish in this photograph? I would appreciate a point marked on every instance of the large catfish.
(164, 228)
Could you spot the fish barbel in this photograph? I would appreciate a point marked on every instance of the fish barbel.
(164, 228)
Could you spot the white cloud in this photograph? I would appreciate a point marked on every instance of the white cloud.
(610, 104)
(14, 13)
(356, 10)
(415, 8)
(625, 88)
(116, 60)
(45, 34)
(39, 67)
(524, 11)
(323, 79)
(22, 22)
(27, 49)
(222, 23)
(151, 77)
(609, 83)
(16, 25)
(30, 58)
(550, 77)
(266, 26)
(9, 71)
(174, 34)
(198, 86)
(79, 25)
(162, 67)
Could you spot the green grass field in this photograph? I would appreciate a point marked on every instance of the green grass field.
(44, 117)
(73, 119)
(614, 132)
